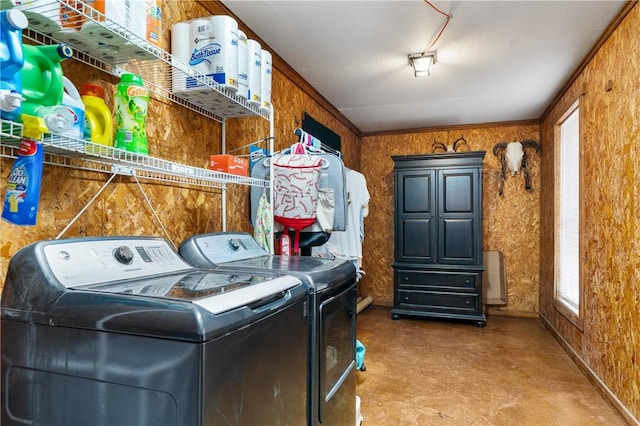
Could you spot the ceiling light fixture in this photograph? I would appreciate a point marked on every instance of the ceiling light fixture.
(422, 62)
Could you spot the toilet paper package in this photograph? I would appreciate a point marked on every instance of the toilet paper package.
(202, 49)
(265, 80)
(224, 57)
(254, 68)
(243, 65)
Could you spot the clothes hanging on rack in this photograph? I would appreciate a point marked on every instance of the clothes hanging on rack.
(332, 176)
(332, 211)
(347, 244)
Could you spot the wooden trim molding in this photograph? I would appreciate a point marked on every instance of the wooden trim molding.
(496, 312)
(452, 127)
(603, 38)
(593, 378)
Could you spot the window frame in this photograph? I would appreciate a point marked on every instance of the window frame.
(576, 319)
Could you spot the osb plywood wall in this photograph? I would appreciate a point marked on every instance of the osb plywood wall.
(173, 133)
(510, 222)
(610, 229)
(176, 134)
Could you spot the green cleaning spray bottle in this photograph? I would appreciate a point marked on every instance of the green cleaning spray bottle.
(23, 188)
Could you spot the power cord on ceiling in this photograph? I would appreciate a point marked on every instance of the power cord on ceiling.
(441, 30)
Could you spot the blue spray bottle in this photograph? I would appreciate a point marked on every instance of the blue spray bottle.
(23, 188)
(12, 22)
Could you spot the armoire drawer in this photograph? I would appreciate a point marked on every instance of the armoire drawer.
(437, 301)
(458, 281)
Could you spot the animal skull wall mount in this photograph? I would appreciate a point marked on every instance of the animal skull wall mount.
(452, 148)
(513, 156)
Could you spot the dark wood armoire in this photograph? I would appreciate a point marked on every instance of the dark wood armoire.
(438, 236)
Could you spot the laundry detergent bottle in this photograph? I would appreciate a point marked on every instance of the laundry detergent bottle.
(98, 119)
(23, 187)
(72, 101)
(131, 102)
(12, 22)
(43, 85)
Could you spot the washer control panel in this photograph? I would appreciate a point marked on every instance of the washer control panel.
(228, 247)
(90, 260)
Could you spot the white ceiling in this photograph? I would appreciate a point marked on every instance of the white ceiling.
(496, 60)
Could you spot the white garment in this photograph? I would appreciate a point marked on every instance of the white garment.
(347, 244)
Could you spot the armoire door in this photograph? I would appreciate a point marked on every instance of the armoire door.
(416, 240)
(459, 201)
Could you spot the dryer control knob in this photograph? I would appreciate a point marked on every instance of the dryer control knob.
(233, 243)
(124, 255)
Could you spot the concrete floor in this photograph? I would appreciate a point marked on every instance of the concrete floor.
(511, 372)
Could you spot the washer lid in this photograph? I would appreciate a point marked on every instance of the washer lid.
(217, 292)
(239, 251)
(137, 285)
(197, 306)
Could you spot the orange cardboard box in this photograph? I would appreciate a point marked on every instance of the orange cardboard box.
(229, 164)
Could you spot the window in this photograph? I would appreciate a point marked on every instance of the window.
(568, 170)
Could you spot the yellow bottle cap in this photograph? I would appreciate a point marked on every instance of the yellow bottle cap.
(33, 127)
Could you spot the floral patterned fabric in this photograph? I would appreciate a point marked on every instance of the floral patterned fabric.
(263, 224)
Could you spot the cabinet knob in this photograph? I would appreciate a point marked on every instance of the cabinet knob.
(467, 281)
(468, 302)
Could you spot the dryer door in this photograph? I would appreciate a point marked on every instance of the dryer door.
(337, 358)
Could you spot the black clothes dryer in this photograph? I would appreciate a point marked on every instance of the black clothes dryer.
(332, 325)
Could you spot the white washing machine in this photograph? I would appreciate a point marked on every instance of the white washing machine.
(121, 331)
